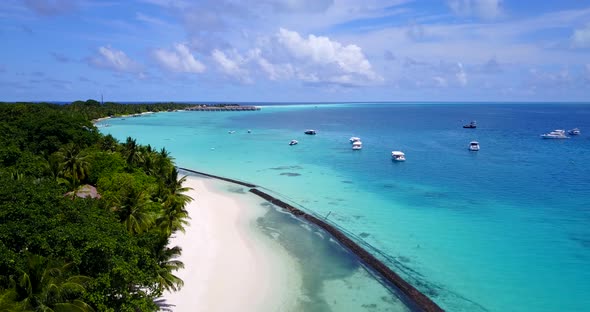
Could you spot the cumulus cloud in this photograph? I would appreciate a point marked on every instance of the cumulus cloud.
(274, 71)
(231, 65)
(486, 9)
(416, 73)
(113, 59)
(178, 60)
(581, 37)
(344, 63)
(287, 55)
(50, 7)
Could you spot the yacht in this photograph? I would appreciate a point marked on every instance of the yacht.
(398, 156)
(574, 131)
(555, 134)
(474, 146)
(357, 145)
(471, 125)
(354, 139)
(310, 132)
(293, 142)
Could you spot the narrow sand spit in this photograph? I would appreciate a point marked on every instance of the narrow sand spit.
(230, 265)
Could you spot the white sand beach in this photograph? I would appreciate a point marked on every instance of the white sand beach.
(229, 264)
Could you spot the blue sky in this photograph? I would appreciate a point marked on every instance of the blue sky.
(295, 50)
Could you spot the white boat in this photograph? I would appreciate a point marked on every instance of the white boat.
(474, 146)
(310, 132)
(471, 125)
(357, 145)
(354, 139)
(398, 156)
(293, 142)
(574, 131)
(555, 134)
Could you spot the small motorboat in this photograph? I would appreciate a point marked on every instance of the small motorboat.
(474, 146)
(310, 132)
(249, 131)
(574, 131)
(354, 139)
(357, 145)
(231, 132)
(471, 125)
(555, 134)
(293, 142)
(398, 156)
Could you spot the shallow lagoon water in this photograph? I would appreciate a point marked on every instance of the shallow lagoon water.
(502, 229)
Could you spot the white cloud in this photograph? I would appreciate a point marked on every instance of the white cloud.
(581, 37)
(150, 20)
(287, 55)
(297, 5)
(487, 9)
(550, 80)
(178, 60)
(113, 59)
(274, 71)
(345, 61)
(232, 64)
(461, 75)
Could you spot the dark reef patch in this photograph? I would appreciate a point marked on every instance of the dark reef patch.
(290, 174)
(237, 190)
(287, 168)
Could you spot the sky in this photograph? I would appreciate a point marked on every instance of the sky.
(295, 50)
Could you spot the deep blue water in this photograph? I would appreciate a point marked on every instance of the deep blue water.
(503, 229)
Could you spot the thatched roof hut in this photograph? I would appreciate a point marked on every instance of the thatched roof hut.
(85, 191)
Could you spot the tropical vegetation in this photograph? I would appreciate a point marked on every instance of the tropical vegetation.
(61, 252)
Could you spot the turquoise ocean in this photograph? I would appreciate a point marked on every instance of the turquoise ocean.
(503, 229)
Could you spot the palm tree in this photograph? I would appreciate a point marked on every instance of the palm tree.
(167, 264)
(109, 143)
(45, 285)
(174, 215)
(173, 218)
(73, 163)
(134, 211)
(132, 151)
(163, 305)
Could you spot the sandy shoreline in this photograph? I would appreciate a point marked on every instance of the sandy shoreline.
(229, 264)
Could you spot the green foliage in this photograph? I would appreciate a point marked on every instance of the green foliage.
(104, 164)
(46, 285)
(92, 109)
(64, 253)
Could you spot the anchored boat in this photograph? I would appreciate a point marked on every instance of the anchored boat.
(398, 156)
